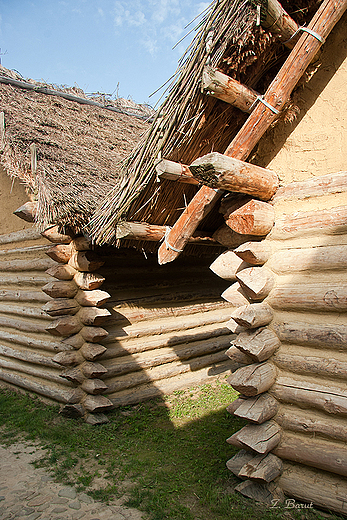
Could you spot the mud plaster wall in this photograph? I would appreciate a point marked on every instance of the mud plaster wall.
(12, 196)
(316, 143)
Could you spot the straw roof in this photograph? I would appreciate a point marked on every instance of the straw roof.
(79, 146)
(189, 124)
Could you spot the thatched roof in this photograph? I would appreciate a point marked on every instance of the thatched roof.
(189, 124)
(79, 145)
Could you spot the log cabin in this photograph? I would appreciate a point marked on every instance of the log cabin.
(246, 154)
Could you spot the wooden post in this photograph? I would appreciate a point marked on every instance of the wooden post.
(225, 88)
(220, 171)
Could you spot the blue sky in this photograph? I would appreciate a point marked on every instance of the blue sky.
(97, 43)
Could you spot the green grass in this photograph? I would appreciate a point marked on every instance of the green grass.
(167, 455)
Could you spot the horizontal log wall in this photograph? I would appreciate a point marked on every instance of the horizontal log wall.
(26, 348)
(309, 299)
(167, 328)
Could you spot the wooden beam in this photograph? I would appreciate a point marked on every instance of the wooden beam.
(261, 438)
(253, 315)
(256, 282)
(65, 326)
(253, 218)
(322, 296)
(323, 258)
(61, 307)
(93, 298)
(220, 171)
(93, 334)
(53, 235)
(225, 88)
(235, 295)
(254, 253)
(264, 468)
(257, 123)
(97, 403)
(227, 265)
(93, 316)
(27, 212)
(259, 344)
(174, 171)
(94, 386)
(88, 281)
(278, 21)
(61, 253)
(239, 460)
(154, 233)
(62, 272)
(68, 359)
(256, 409)
(92, 351)
(60, 289)
(93, 370)
(229, 238)
(85, 261)
(266, 493)
(253, 379)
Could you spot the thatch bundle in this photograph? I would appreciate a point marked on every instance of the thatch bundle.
(189, 124)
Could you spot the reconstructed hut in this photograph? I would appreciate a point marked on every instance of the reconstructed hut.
(261, 82)
(159, 329)
(285, 227)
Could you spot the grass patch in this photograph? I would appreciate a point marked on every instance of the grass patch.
(168, 456)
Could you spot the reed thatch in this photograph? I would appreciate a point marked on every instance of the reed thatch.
(79, 146)
(189, 124)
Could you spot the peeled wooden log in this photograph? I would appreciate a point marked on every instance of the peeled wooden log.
(327, 398)
(239, 460)
(225, 88)
(303, 364)
(74, 375)
(257, 282)
(256, 409)
(93, 298)
(312, 422)
(324, 222)
(253, 315)
(325, 490)
(91, 351)
(26, 265)
(323, 296)
(264, 468)
(65, 326)
(312, 451)
(61, 307)
(259, 344)
(237, 356)
(235, 295)
(227, 265)
(154, 233)
(266, 493)
(76, 341)
(232, 407)
(253, 379)
(27, 212)
(85, 261)
(318, 335)
(322, 258)
(254, 253)
(88, 281)
(62, 272)
(97, 403)
(93, 386)
(61, 253)
(93, 316)
(220, 171)
(174, 171)
(93, 370)
(93, 334)
(60, 289)
(261, 438)
(313, 187)
(68, 359)
(73, 411)
(278, 21)
(15, 295)
(53, 235)
(253, 218)
(81, 244)
(229, 238)
(234, 327)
